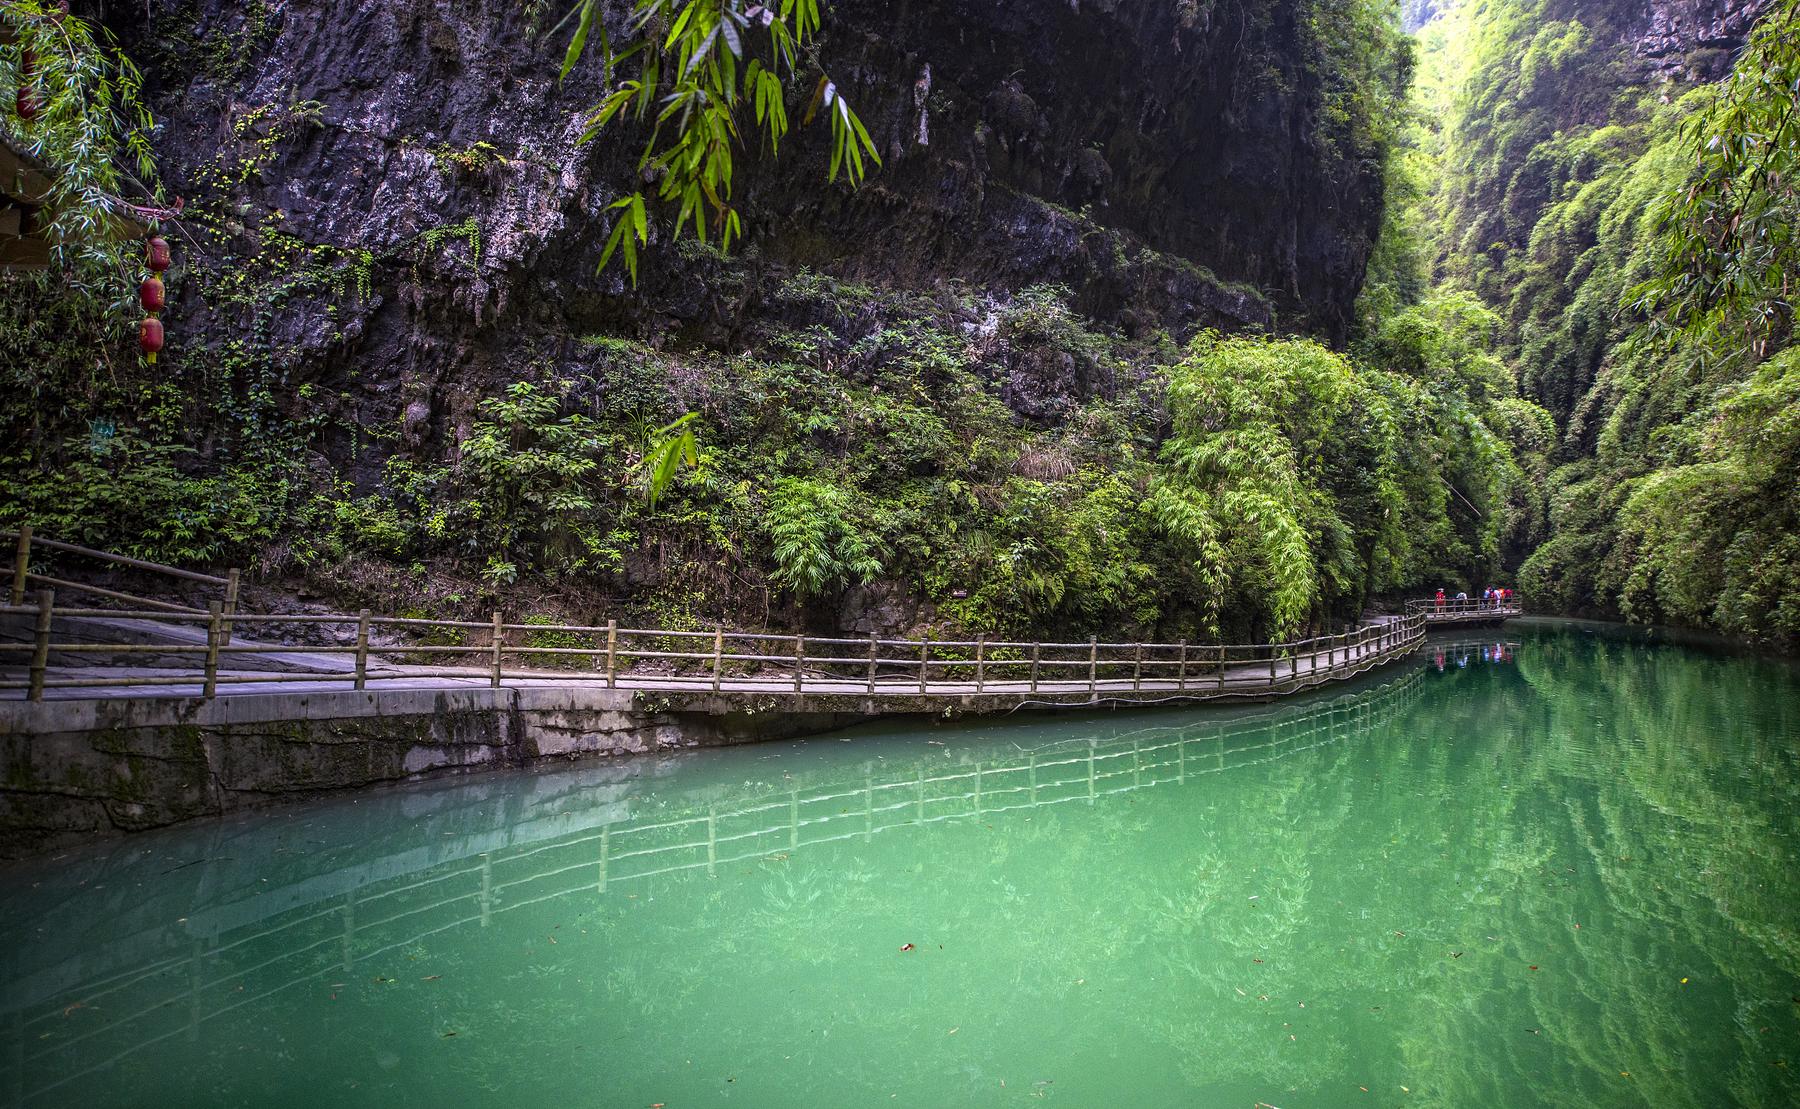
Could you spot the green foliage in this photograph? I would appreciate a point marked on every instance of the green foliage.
(477, 157)
(1729, 241)
(1242, 487)
(1582, 206)
(92, 128)
(815, 538)
(527, 481)
(701, 72)
(1717, 541)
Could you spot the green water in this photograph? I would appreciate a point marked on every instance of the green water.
(1566, 877)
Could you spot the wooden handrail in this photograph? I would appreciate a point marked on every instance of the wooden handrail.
(108, 556)
(766, 662)
(22, 576)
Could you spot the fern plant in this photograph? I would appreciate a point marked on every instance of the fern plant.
(816, 539)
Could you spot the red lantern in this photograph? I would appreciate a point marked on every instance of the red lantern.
(152, 295)
(156, 254)
(26, 99)
(150, 337)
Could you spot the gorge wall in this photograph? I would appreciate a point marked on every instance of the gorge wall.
(1165, 162)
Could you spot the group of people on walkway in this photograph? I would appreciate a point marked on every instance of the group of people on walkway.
(1490, 598)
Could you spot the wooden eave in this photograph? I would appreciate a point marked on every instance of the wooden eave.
(25, 185)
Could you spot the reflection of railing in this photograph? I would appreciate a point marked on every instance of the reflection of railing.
(332, 935)
(718, 661)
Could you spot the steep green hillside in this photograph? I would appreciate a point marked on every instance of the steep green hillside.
(1553, 175)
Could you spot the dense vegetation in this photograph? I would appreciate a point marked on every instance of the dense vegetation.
(1635, 238)
(1505, 405)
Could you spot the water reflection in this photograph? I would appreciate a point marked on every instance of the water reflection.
(1485, 882)
(383, 888)
(1460, 654)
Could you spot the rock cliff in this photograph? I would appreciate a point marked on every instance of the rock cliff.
(395, 190)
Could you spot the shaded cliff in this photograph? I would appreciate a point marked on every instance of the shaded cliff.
(1166, 163)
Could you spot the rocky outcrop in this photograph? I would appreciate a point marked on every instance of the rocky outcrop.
(405, 176)
(1696, 40)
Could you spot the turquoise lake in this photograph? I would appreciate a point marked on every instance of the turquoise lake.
(1552, 866)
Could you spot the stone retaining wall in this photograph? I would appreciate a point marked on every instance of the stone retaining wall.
(79, 770)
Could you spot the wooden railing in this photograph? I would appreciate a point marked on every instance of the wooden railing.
(1472, 606)
(719, 660)
(386, 649)
(23, 576)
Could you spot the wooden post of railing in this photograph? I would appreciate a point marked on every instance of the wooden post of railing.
(40, 651)
(1221, 668)
(231, 604)
(214, 621)
(612, 653)
(874, 652)
(1093, 662)
(499, 642)
(1331, 654)
(21, 564)
(1181, 669)
(980, 661)
(1272, 654)
(924, 660)
(799, 659)
(718, 655)
(362, 648)
(1137, 667)
(1037, 650)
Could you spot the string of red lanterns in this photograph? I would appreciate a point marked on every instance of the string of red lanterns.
(152, 296)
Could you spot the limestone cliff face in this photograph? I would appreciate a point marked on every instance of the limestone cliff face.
(1695, 39)
(414, 165)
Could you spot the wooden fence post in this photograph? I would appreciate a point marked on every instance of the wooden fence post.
(1221, 668)
(1037, 650)
(40, 651)
(718, 655)
(874, 652)
(980, 661)
(1181, 672)
(1271, 666)
(924, 660)
(499, 641)
(362, 649)
(231, 604)
(21, 564)
(210, 687)
(1137, 667)
(799, 659)
(612, 653)
(1093, 663)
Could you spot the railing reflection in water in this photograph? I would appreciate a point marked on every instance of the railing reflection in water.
(387, 907)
